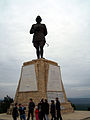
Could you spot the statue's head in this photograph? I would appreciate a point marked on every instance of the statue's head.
(38, 19)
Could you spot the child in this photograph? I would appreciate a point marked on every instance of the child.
(22, 111)
(37, 113)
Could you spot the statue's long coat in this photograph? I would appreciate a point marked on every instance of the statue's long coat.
(40, 31)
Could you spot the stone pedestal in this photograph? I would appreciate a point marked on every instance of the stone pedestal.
(39, 79)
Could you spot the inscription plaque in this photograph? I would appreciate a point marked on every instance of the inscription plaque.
(28, 79)
(54, 79)
(53, 95)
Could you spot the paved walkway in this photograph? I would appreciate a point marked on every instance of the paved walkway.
(77, 115)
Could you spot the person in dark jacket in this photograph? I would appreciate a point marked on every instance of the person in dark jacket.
(40, 110)
(46, 107)
(52, 110)
(22, 111)
(58, 109)
(31, 109)
(43, 108)
(15, 112)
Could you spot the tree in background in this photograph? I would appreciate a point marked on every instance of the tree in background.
(5, 104)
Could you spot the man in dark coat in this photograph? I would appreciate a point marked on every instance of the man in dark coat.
(46, 109)
(40, 31)
(58, 109)
(31, 109)
(41, 107)
(52, 110)
(40, 110)
(15, 112)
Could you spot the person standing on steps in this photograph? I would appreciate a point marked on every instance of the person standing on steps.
(15, 112)
(58, 109)
(40, 110)
(31, 109)
(37, 113)
(46, 105)
(22, 112)
(52, 110)
(39, 32)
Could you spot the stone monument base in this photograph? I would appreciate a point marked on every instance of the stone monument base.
(39, 79)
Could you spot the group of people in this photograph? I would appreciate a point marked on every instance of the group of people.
(42, 110)
(21, 110)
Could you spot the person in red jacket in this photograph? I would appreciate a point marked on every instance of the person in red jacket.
(37, 113)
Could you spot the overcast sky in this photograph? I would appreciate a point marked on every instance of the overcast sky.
(68, 25)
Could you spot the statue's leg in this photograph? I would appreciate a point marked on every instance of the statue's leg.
(37, 52)
(41, 51)
(36, 45)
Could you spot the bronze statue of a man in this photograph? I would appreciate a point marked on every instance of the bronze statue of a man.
(39, 32)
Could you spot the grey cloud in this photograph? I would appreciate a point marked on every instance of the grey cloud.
(68, 24)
